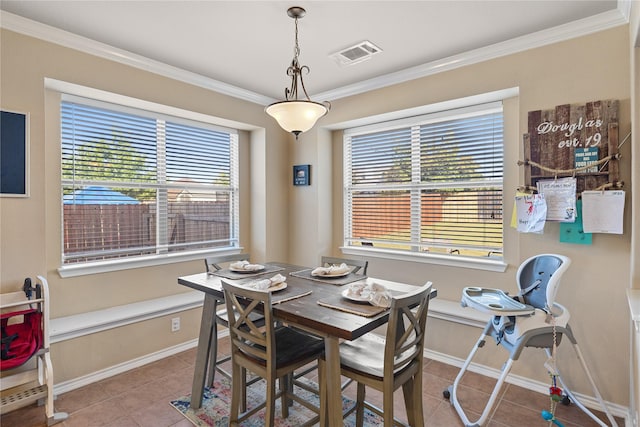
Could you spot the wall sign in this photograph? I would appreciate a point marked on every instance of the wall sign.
(570, 140)
(302, 175)
(14, 154)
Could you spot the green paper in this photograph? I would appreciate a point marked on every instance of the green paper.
(573, 232)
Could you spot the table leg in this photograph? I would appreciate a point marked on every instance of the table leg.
(213, 350)
(333, 391)
(204, 347)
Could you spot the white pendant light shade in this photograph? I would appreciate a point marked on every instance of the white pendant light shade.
(296, 116)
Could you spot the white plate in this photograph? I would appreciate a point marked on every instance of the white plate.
(332, 276)
(240, 270)
(356, 298)
(280, 286)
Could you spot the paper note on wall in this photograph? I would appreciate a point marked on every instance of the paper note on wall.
(560, 195)
(514, 214)
(532, 212)
(573, 232)
(603, 211)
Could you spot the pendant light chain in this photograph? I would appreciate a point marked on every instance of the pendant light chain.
(296, 49)
(295, 71)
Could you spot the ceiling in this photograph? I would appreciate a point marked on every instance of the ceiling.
(249, 44)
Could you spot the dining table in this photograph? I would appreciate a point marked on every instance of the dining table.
(320, 305)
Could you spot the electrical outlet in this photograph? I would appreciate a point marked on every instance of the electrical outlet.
(175, 324)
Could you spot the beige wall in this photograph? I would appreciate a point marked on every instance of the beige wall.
(282, 222)
(576, 71)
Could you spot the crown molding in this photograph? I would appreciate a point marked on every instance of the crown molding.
(64, 38)
(582, 27)
(557, 34)
(624, 7)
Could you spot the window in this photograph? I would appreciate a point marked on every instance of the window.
(138, 184)
(427, 185)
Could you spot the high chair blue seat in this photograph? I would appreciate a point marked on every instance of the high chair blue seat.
(532, 318)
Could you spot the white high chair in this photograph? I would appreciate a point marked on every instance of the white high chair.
(526, 320)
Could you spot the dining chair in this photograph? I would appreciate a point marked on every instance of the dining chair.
(355, 264)
(212, 265)
(271, 352)
(385, 364)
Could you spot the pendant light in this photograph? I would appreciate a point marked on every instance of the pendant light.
(297, 115)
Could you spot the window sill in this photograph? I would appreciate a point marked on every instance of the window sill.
(487, 264)
(86, 268)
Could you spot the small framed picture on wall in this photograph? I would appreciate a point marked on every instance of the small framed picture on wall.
(14, 154)
(302, 175)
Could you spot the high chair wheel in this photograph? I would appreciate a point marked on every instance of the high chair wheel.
(566, 401)
(446, 393)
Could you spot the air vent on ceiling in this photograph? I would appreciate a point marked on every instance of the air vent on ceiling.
(356, 53)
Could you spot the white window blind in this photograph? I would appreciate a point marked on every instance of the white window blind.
(138, 183)
(428, 184)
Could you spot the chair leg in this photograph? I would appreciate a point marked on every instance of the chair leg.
(412, 391)
(360, 395)
(243, 389)
(387, 405)
(284, 397)
(290, 384)
(270, 405)
(289, 380)
(409, 404)
(236, 393)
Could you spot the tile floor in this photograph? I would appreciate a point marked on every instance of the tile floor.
(140, 398)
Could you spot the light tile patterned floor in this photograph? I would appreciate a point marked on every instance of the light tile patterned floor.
(140, 398)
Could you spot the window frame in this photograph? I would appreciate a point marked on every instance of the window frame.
(409, 118)
(158, 111)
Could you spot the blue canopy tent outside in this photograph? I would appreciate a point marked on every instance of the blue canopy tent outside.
(97, 195)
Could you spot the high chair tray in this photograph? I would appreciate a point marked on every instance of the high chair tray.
(493, 301)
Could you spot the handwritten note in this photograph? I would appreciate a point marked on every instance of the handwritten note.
(603, 211)
(531, 213)
(560, 195)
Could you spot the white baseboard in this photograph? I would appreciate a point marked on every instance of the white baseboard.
(527, 383)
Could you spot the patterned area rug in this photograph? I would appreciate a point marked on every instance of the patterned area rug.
(217, 401)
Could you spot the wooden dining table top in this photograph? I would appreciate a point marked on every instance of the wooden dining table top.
(290, 306)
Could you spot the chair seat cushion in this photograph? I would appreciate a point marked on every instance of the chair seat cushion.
(366, 354)
(294, 346)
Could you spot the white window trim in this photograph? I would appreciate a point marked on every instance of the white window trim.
(69, 91)
(86, 268)
(139, 104)
(487, 264)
